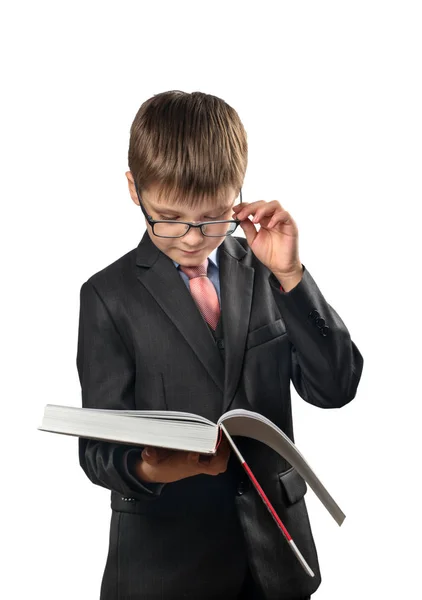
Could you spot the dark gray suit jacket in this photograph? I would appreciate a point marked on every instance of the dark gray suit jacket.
(144, 345)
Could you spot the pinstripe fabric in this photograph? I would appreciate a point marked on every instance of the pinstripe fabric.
(203, 292)
(143, 345)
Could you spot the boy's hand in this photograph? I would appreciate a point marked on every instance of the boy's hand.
(276, 244)
(159, 465)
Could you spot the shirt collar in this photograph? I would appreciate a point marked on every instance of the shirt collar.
(213, 257)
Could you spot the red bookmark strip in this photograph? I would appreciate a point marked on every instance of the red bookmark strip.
(220, 437)
(267, 502)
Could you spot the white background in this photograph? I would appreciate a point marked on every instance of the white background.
(330, 96)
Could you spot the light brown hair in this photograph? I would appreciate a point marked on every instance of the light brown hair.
(192, 145)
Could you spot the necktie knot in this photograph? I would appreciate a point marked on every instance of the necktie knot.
(199, 271)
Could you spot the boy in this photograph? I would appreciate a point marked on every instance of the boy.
(197, 320)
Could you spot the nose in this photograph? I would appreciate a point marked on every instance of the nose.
(194, 237)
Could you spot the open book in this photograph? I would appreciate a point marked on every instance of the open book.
(189, 432)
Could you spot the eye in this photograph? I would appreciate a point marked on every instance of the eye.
(215, 218)
(168, 218)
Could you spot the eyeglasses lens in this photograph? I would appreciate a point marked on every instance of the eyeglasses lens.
(179, 229)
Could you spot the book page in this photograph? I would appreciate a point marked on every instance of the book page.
(254, 425)
(165, 429)
(166, 415)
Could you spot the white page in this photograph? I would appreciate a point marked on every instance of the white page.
(119, 426)
(256, 426)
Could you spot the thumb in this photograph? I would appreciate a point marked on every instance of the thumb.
(193, 458)
(149, 455)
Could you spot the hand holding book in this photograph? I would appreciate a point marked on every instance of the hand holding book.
(161, 465)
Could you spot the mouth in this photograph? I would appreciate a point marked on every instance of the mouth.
(192, 251)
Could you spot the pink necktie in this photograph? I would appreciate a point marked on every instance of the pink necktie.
(203, 292)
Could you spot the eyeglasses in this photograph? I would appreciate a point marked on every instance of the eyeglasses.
(177, 229)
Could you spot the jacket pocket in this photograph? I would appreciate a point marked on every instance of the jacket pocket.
(293, 486)
(265, 334)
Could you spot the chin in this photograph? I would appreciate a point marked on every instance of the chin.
(191, 260)
(194, 260)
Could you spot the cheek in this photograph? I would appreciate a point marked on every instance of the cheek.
(216, 244)
(162, 243)
(166, 244)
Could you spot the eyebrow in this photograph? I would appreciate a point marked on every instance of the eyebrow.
(214, 209)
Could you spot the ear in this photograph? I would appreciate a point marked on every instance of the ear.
(131, 185)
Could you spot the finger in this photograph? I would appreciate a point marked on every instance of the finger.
(225, 455)
(218, 465)
(239, 206)
(157, 454)
(279, 217)
(163, 454)
(193, 458)
(250, 231)
(205, 459)
(210, 469)
(203, 464)
(149, 455)
(266, 210)
(249, 209)
(226, 448)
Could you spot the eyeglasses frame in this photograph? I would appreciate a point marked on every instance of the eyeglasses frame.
(152, 221)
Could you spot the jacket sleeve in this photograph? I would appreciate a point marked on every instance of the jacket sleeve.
(326, 364)
(107, 377)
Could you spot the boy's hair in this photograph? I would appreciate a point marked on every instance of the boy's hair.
(191, 145)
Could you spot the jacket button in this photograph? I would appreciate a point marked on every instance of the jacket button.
(220, 344)
(320, 322)
(242, 487)
(324, 330)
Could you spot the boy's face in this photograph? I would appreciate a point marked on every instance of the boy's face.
(193, 248)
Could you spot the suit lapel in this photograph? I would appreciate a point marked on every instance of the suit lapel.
(236, 282)
(163, 281)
